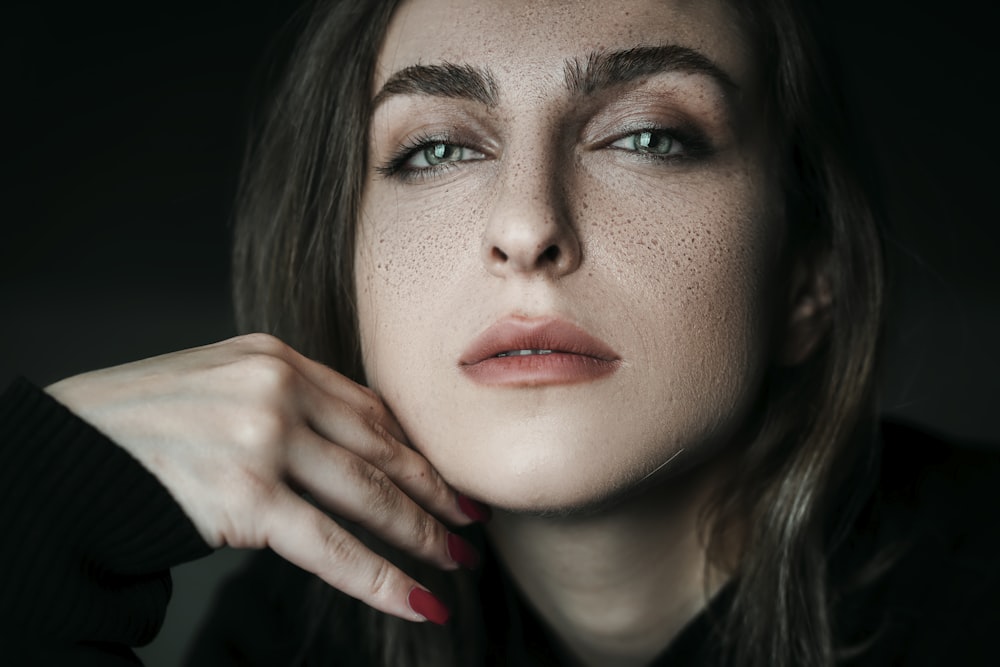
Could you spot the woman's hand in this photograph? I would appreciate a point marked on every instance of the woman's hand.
(238, 430)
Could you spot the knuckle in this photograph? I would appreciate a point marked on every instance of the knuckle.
(263, 343)
(383, 448)
(380, 586)
(262, 429)
(382, 495)
(338, 547)
(427, 535)
(374, 409)
(271, 374)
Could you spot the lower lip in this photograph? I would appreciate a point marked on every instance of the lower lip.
(539, 369)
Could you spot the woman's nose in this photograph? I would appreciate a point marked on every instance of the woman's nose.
(530, 230)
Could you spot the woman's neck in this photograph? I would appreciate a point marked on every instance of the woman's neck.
(617, 586)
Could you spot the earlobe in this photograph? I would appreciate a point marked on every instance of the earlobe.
(809, 312)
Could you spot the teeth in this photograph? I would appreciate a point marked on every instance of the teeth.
(523, 353)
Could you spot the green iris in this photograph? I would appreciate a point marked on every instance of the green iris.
(649, 141)
(441, 153)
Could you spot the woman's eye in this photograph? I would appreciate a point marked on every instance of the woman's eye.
(433, 155)
(425, 157)
(654, 142)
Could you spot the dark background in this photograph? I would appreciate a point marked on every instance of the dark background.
(123, 128)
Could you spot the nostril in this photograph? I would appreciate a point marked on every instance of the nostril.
(499, 254)
(551, 254)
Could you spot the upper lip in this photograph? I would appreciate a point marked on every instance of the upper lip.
(519, 333)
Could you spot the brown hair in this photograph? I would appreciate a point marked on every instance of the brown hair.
(293, 277)
(818, 426)
(300, 191)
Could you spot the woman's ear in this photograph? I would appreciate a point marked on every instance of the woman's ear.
(809, 309)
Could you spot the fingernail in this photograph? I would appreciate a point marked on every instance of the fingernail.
(428, 606)
(462, 552)
(474, 510)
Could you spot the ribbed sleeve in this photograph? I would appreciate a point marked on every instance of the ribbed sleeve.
(87, 535)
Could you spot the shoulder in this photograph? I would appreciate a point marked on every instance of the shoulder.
(935, 463)
(928, 581)
(941, 488)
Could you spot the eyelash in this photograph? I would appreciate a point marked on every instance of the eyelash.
(694, 145)
(395, 166)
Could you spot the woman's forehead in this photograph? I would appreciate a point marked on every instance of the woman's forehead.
(512, 38)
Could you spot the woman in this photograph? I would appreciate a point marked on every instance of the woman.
(612, 272)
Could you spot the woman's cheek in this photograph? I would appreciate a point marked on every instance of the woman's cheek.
(412, 256)
(418, 242)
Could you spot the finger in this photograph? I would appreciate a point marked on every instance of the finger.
(354, 489)
(306, 537)
(408, 469)
(333, 384)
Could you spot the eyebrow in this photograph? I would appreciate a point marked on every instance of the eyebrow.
(605, 69)
(444, 80)
(600, 70)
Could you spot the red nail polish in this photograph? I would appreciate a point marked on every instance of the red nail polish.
(474, 510)
(428, 606)
(462, 552)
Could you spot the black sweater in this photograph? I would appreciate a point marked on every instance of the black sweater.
(87, 537)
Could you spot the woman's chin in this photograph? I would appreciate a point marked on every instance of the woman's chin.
(543, 482)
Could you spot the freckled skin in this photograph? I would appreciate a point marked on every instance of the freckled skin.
(674, 262)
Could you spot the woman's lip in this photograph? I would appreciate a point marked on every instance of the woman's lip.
(572, 354)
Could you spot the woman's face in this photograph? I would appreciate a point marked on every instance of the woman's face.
(566, 252)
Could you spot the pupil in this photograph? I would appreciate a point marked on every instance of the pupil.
(439, 153)
(653, 142)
